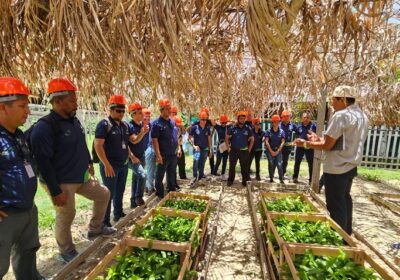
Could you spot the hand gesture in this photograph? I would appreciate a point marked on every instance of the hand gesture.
(109, 170)
(60, 200)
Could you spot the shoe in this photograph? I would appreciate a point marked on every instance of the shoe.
(105, 231)
(184, 178)
(244, 184)
(295, 181)
(282, 182)
(178, 188)
(133, 205)
(67, 257)
(139, 201)
(271, 180)
(258, 178)
(118, 217)
(193, 183)
(229, 183)
(223, 177)
(107, 224)
(217, 174)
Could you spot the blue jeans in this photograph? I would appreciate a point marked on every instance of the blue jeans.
(221, 156)
(274, 162)
(150, 158)
(138, 179)
(199, 162)
(116, 186)
(168, 167)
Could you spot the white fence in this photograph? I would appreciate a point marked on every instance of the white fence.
(382, 148)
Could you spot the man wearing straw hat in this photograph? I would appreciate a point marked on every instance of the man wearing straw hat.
(343, 144)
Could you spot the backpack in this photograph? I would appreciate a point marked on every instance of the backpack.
(95, 157)
(28, 134)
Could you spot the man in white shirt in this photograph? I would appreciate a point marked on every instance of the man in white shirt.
(343, 143)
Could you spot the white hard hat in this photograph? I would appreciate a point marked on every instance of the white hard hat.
(345, 91)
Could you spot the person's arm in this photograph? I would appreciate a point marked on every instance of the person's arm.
(156, 147)
(210, 152)
(101, 153)
(281, 145)
(136, 138)
(268, 145)
(251, 143)
(325, 144)
(227, 141)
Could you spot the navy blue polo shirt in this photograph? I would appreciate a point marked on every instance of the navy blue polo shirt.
(239, 136)
(221, 132)
(17, 186)
(139, 148)
(258, 139)
(148, 136)
(288, 129)
(274, 138)
(302, 130)
(249, 124)
(167, 135)
(116, 140)
(67, 151)
(200, 135)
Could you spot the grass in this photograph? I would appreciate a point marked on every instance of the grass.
(378, 174)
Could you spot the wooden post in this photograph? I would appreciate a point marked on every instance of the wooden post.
(320, 129)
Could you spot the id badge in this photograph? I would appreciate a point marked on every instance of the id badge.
(123, 146)
(29, 170)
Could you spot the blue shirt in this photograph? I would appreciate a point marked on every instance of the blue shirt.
(221, 132)
(288, 129)
(17, 190)
(67, 152)
(302, 130)
(258, 139)
(116, 140)
(274, 138)
(167, 135)
(239, 136)
(200, 135)
(139, 148)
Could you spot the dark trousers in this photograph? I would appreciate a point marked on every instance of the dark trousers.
(338, 198)
(300, 152)
(273, 163)
(182, 165)
(116, 186)
(199, 163)
(19, 240)
(221, 157)
(285, 157)
(257, 156)
(168, 167)
(211, 160)
(244, 159)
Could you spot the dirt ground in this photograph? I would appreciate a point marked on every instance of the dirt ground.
(234, 253)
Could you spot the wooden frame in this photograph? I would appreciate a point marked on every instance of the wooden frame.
(270, 228)
(161, 244)
(359, 256)
(126, 245)
(380, 199)
(278, 195)
(173, 195)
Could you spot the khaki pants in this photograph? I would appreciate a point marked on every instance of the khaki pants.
(65, 215)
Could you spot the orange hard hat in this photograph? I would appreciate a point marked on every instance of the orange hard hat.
(174, 109)
(116, 100)
(146, 111)
(10, 88)
(285, 114)
(275, 118)
(135, 106)
(223, 118)
(256, 120)
(242, 113)
(203, 115)
(178, 121)
(204, 109)
(164, 102)
(60, 85)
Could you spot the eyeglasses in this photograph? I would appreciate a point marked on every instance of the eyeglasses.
(119, 111)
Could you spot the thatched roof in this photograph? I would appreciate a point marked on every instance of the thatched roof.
(225, 54)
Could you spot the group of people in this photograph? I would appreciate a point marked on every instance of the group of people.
(55, 147)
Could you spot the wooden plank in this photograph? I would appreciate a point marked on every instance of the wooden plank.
(388, 204)
(375, 131)
(359, 256)
(162, 246)
(367, 149)
(72, 265)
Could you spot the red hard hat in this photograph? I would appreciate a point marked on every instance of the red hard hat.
(223, 118)
(12, 86)
(203, 115)
(117, 100)
(164, 102)
(178, 120)
(60, 84)
(256, 120)
(135, 106)
(174, 109)
(146, 111)
(275, 118)
(204, 109)
(242, 113)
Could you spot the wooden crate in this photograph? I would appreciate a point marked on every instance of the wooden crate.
(269, 227)
(279, 195)
(359, 256)
(126, 245)
(161, 244)
(381, 198)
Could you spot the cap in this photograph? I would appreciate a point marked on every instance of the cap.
(345, 91)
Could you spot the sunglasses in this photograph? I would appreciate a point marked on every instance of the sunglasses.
(119, 111)
(204, 120)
